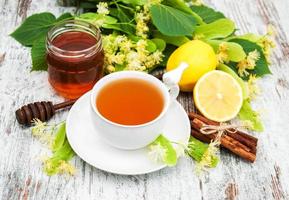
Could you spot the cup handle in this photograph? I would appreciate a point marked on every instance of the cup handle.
(172, 78)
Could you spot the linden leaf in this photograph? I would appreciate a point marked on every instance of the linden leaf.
(38, 55)
(208, 15)
(173, 40)
(218, 29)
(160, 43)
(261, 67)
(34, 27)
(235, 51)
(170, 157)
(172, 22)
(248, 114)
(59, 138)
(197, 150)
(64, 16)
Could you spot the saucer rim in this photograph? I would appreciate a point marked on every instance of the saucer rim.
(85, 159)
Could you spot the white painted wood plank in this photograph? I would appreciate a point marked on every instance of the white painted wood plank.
(21, 176)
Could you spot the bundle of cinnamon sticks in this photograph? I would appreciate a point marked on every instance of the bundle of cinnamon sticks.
(237, 142)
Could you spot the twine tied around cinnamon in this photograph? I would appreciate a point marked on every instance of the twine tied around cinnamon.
(219, 130)
(210, 129)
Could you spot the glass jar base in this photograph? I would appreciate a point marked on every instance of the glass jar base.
(71, 91)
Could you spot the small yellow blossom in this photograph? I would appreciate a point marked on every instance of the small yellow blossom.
(66, 168)
(102, 8)
(199, 36)
(254, 90)
(267, 42)
(208, 157)
(110, 68)
(197, 2)
(43, 132)
(247, 124)
(222, 54)
(120, 50)
(153, 2)
(142, 18)
(118, 58)
(248, 63)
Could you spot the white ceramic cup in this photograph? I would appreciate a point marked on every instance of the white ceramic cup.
(130, 136)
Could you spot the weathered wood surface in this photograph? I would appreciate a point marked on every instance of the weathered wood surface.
(21, 176)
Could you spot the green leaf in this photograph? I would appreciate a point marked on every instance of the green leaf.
(217, 29)
(197, 149)
(34, 27)
(134, 2)
(208, 15)
(64, 16)
(38, 55)
(116, 27)
(119, 67)
(250, 36)
(235, 51)
(242, 83)
(173, 40)
(160, 43)
(172, 22)
(171, 156)
(151, 46)
(59, 138)
(248, 114)
(125, 18)
(261, 68)
(182, 6)
(91, 17)
(167, 52)
(65, 153)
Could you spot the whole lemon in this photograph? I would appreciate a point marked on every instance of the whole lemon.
(201, 59)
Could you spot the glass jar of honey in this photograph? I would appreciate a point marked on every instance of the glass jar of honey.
(75, 57)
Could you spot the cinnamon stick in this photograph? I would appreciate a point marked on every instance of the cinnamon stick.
(226, 141)
(239, 135)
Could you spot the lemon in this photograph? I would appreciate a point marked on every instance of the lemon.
(218, 96)
(200, 57)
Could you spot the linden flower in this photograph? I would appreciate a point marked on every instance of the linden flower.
(39, 127)
(208, 157)
(157, 153)
(118, 58)
(120, 50)
(142, 18)
(66, 168)
(197, 2)
(43, 132)
(199, 36)
(222, 55)
(247, 124)
(248, 63)
(254, 90)
(102, 8)
(181, 149)
(153, 2)
(267, 42)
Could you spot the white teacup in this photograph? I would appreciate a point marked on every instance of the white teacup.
(135, 136)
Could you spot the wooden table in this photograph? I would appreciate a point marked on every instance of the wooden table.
(21, 176)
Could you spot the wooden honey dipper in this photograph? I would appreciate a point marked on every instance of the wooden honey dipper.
(43, 111)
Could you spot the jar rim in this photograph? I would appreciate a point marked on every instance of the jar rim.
(74, 24)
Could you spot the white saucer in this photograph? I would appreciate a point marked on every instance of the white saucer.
(87, 144)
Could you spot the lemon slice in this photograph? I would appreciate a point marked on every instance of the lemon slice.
(218, 96)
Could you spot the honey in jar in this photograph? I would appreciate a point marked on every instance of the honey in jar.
(75, 58)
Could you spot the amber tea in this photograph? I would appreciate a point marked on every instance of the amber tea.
(130, 101)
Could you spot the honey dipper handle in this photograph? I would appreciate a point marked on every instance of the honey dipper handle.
(64, 104)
